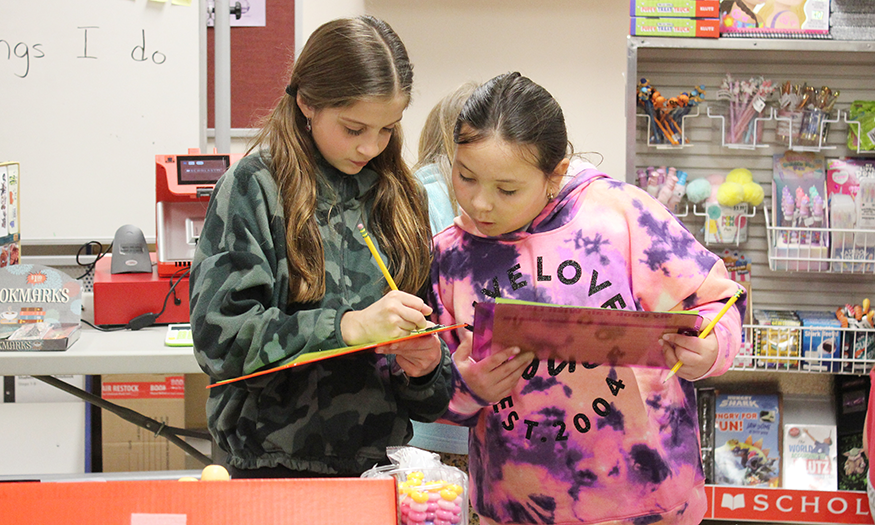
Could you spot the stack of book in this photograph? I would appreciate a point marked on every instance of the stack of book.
(677, 18)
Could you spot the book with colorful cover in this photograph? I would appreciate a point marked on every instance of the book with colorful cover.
(577, 333)
(810, 461)
(775, 19)
(747, 440)
(319, 355)
(853, 463)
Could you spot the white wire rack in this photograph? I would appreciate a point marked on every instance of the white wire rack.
(835, 250)
(682, 140)
(806, 349)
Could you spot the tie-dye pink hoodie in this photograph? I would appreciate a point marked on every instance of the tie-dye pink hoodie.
(578, 443)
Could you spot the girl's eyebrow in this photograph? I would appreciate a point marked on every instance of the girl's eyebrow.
(498, 181)
(348, 120)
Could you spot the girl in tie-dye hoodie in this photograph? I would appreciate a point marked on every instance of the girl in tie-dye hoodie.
(565, 442)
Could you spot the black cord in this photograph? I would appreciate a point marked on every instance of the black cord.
(104, 328)
(100, 254)
(148, 319)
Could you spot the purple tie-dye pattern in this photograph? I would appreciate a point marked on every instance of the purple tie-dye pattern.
(575, 443)
(539, 384)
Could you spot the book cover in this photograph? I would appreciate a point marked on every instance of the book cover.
(747, 440)
(775, 19)
(577, 333)
(312, 357)
(706, 401)
(675, 8)
(853, 463)
(674, 27)
(810, 457)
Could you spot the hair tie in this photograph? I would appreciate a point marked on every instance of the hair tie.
(290, 90)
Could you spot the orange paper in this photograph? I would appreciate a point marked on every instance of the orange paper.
(312, 357)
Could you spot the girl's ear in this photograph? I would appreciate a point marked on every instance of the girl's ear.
(305, 109)
(555, 178)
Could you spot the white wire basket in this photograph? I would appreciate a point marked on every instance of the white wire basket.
(835, 250)
(806, 349)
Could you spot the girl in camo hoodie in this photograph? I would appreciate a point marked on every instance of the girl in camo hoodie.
(568, 442)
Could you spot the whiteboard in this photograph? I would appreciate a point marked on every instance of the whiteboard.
(90, 92)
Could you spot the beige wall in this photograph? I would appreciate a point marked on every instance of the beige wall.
(574, 48)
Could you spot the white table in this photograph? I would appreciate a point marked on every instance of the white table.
(98, 353)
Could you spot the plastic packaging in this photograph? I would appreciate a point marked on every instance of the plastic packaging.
(428, 490)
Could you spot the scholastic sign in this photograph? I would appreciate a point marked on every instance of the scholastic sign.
(786, 506)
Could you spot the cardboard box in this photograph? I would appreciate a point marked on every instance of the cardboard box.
(118, 298)
(196, 395)
(776, 348)
(57, 337)
(130, 448)
(674, 27)
(821, 347)
(322, 501)
(675, 8)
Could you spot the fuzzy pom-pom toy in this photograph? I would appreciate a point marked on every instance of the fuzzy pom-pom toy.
(698, 190)
(739, 175)
(753, 193)
(730, 194)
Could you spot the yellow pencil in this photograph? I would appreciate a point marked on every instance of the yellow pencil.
(379, 259)
(704, 333)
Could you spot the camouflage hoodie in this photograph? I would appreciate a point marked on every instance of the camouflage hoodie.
(334, 416)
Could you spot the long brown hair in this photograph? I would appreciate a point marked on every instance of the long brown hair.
(436, 144)
(345, 61)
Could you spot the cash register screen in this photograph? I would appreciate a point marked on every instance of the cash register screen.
(201, 169)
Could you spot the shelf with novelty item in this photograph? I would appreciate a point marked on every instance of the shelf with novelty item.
(807, 342)
(727, 202)
(798, 117)
(797, 130)
(823, 215)
(666, 118)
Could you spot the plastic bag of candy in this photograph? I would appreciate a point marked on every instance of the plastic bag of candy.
(429, 492)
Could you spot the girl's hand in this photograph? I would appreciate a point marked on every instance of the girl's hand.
(494, 377)
(418, 356)
(697, 355)
(396, 314)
